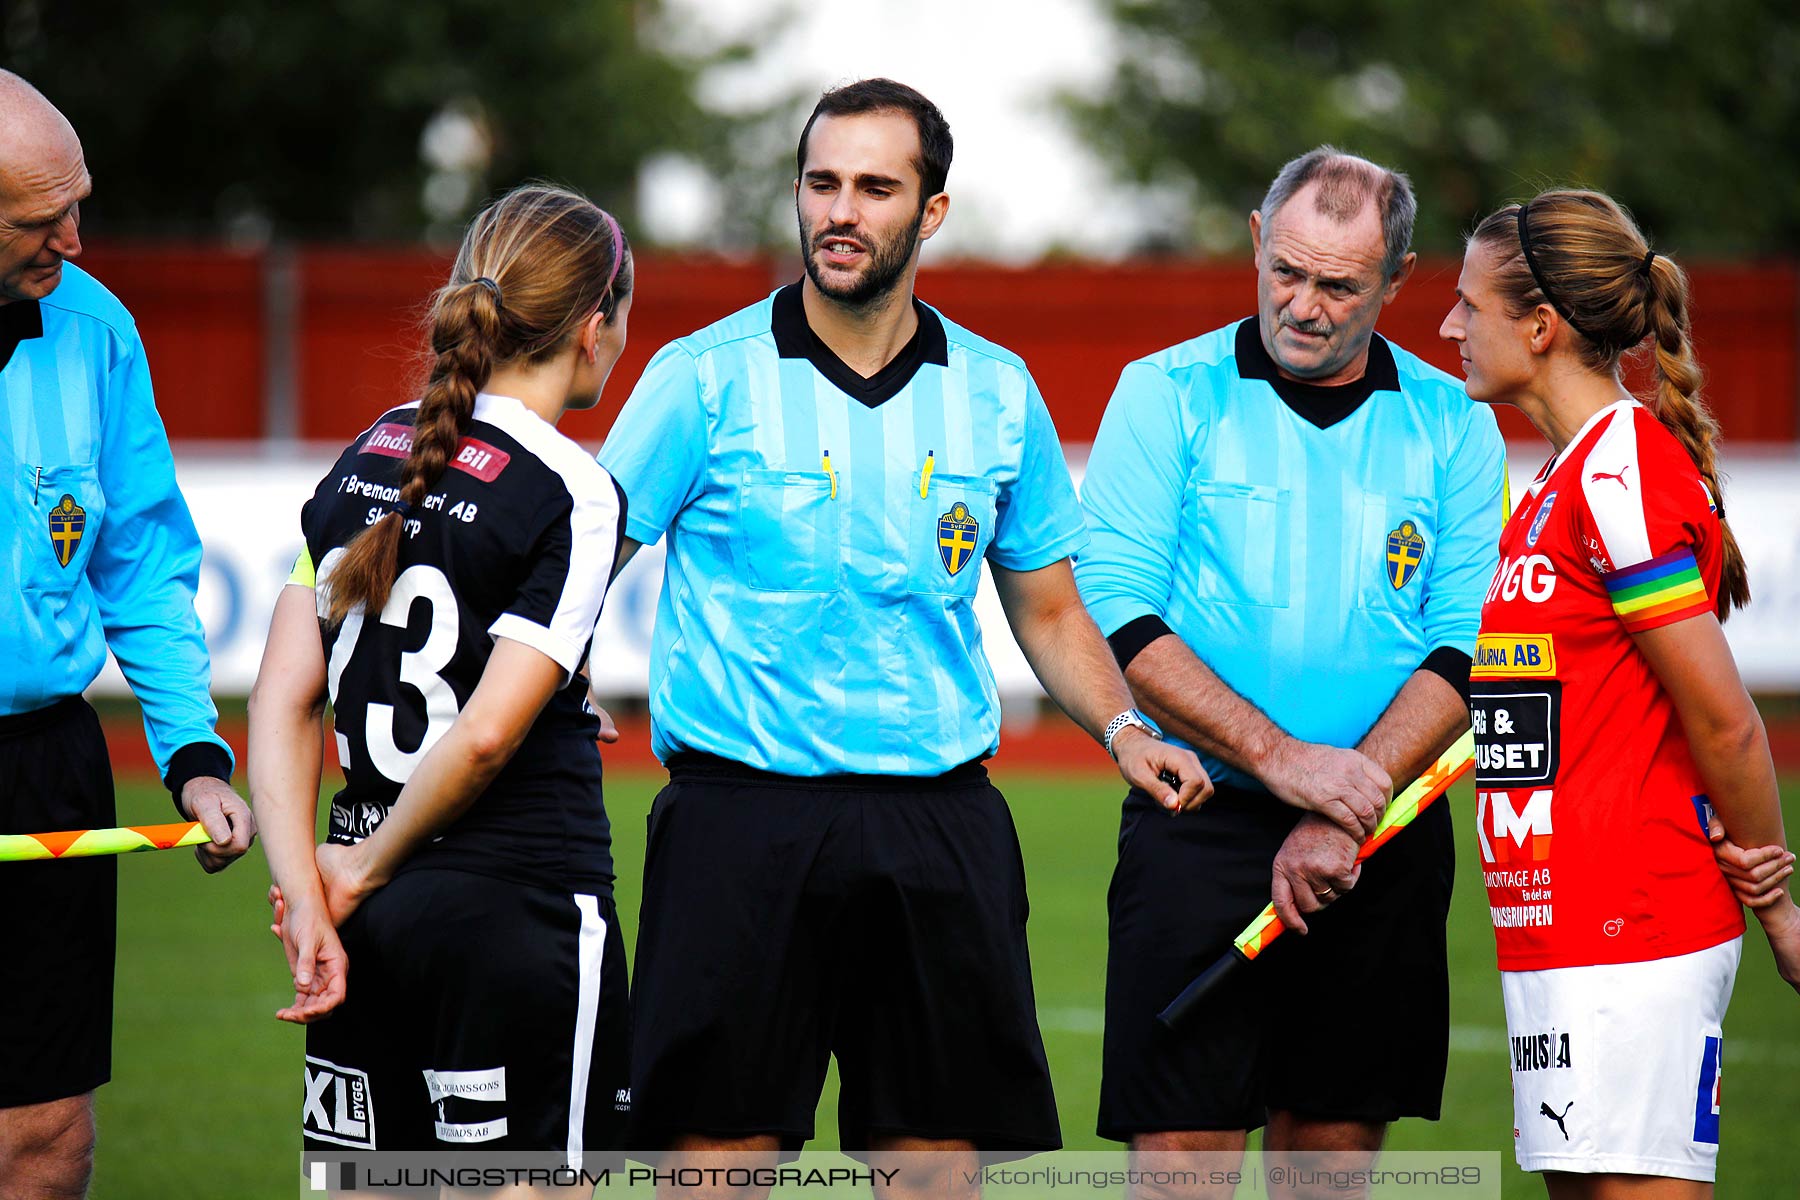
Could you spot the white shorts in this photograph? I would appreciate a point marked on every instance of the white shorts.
(1616, 1069)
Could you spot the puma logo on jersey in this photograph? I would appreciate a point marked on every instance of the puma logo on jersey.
(1618, 475)
(1544, 1110)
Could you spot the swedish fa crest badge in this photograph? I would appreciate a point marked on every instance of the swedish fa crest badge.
(958, 531)
(68, 521)
(1405, 551)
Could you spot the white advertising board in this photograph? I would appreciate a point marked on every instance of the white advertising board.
(247, 506)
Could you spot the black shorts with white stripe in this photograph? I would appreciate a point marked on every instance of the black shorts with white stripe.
(481, 1014)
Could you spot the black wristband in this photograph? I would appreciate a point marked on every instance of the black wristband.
(195, 760)
(1452, 666)
(1129, 639)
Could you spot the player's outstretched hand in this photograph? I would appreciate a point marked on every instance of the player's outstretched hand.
(1169, 773)
(1343, 786)
(346, 883)
(315, 957)
(1315, 866)
(224, 816)
(1756, 875)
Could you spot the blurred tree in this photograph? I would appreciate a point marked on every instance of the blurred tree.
(350, 118)
(1687, 110)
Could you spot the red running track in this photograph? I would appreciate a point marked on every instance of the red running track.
(1050, 743)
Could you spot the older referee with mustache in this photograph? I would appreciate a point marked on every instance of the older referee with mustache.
(1293, 525)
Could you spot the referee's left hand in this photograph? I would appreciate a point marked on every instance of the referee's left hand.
(224, 816)
(1170, 774)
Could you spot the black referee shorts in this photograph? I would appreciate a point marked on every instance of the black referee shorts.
(481, 1014)
(1350, 1022)
(877, 918)
(56, 977)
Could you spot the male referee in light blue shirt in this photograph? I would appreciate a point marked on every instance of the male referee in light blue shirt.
(829, 870)
(1294, 523)
(97, 550)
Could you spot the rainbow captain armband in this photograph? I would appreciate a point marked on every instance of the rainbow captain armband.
(1659, 592)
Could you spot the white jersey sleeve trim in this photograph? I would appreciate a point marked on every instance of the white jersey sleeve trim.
(593, 526)
(1612, 481)
(558, 649)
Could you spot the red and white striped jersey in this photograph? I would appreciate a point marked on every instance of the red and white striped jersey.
(1591, 813)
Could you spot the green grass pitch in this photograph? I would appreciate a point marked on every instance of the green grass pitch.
(205, 1097)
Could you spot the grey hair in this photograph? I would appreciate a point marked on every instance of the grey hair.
(1346, 184)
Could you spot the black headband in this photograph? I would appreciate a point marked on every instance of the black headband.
(1543, 284)
(1550, 296)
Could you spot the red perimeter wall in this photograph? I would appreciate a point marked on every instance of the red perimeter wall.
(356, 338)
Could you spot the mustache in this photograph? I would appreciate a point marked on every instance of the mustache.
(838, 233)
(1318, 326)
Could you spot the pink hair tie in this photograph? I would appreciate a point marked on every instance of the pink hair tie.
(618, 248)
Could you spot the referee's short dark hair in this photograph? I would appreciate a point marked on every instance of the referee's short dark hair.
(885, 95)
(1346, 183)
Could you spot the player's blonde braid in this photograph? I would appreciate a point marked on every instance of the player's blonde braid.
(533, 267)
(1682, 410)
(1581, 253)
(465, 327)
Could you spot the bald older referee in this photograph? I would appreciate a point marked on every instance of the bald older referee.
(100, 553)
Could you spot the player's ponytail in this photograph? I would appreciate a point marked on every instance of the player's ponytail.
(533, 267)
(1679, 406)
(1581, 253)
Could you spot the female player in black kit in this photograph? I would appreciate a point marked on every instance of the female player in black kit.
(456, 558)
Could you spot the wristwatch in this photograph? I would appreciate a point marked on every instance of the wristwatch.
(1128, 719)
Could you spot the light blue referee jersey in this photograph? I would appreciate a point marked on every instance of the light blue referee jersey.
(97, 543)
(826, 534)
(1312, 566)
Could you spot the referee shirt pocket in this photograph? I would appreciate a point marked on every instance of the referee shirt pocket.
(58, 510)
(1393, 552)
(951, 529)
(1244, 536)
(788, 533)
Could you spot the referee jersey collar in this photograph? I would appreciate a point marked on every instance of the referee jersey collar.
(794, 338)
(19, 321)
(1323, 406)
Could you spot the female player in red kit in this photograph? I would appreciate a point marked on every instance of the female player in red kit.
(1609, 717)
